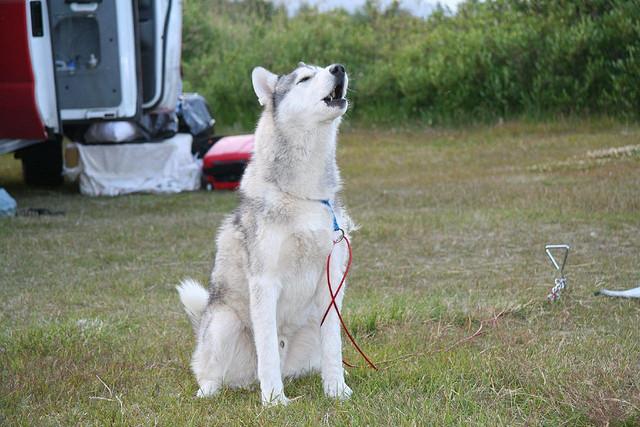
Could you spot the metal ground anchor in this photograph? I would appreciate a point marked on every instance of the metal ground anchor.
(560, 282)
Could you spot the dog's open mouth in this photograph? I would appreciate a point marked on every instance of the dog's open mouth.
(336, 97)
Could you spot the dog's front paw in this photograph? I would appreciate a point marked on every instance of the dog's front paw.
(337, 389)
(208, 388)
(275, 400)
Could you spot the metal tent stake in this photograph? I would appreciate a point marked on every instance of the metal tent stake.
(560, 282)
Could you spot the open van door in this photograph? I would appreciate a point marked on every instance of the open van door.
(67, 64)
(28, 106)
(160, 29)
(95, 57)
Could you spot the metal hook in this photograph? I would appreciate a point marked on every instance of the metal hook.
(566, 248)
(560, 282)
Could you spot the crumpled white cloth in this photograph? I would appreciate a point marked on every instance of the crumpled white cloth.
(117, 131)
(155, 167)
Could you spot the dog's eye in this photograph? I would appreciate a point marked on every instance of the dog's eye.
(304, 79)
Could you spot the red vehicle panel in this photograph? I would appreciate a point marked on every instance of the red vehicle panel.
(19, 115)
(224, 163)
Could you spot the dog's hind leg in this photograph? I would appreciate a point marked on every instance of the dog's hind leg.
(224, 353)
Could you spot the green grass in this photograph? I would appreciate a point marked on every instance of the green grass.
(453, 226)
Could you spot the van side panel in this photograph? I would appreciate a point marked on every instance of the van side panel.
(19, 115)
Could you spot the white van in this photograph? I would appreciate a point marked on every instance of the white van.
(68, 63)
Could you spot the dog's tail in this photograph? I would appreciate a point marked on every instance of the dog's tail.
(194, 298)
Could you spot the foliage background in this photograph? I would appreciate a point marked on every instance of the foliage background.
(492, 60)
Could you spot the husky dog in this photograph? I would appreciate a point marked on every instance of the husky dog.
(261, 317)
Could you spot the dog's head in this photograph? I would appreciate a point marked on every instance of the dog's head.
(307, 94)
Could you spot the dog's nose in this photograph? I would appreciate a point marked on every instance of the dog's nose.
(337, 69)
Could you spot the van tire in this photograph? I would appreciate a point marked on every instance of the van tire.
(42, 163)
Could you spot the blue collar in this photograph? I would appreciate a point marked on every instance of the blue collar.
(336, 227)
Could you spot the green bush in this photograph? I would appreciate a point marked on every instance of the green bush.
(495, 59)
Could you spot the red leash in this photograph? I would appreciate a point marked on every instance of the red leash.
(334, 295)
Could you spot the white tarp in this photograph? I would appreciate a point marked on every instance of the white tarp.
(155, 167)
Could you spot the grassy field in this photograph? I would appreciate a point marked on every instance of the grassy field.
(447, 292)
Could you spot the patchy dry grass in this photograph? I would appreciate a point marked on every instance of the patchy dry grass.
(447, 292)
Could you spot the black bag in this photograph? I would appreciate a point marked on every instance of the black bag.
(158, 126)
(194, 116)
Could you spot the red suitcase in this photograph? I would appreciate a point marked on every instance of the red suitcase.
(224, 163)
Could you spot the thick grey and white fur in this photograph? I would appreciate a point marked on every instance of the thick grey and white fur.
(260, 318)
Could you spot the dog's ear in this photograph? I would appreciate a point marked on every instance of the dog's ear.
(264, 84)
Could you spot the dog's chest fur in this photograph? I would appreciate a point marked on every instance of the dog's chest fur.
(306, 244)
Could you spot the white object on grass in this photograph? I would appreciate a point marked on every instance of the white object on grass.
(560, 282)
(156, 167)
(629, 293)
